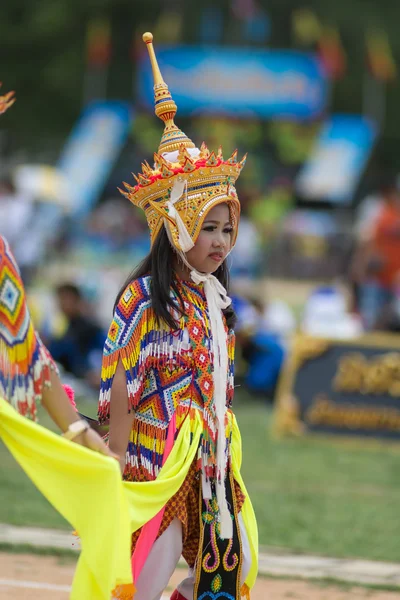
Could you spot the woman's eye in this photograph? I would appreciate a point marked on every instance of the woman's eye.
(209, 228)
(228, 230)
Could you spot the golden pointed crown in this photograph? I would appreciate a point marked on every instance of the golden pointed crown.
(209, 178)
(165, 108)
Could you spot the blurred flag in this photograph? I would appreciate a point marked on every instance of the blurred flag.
(255, 20)
(98, 45)
(44, 183)
(331, 52)
(168, 27)
(306, 27)
(211, 25)
(136, 48)
(379, 55)
(243, 9)
(257, 28)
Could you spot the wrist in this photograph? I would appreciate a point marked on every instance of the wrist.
(75, 429)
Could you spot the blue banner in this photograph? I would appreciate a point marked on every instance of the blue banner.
(338, 159)
(91, 151)
(239, 82)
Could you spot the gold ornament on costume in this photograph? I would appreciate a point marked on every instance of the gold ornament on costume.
(185, 182)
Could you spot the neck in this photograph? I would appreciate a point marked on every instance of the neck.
(181, 270)
(184, 270)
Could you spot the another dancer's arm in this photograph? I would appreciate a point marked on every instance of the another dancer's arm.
(58, 406)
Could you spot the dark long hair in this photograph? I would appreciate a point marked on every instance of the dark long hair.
(159, 264)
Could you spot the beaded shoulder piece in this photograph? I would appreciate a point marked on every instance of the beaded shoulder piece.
(25, 363)
(139, 342)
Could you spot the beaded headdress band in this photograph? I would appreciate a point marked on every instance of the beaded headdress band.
(185, 182)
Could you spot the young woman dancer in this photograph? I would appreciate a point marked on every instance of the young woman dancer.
(167, 376)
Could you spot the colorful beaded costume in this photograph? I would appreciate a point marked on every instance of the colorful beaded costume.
(167, 371)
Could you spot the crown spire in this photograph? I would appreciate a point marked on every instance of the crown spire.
(165, 108)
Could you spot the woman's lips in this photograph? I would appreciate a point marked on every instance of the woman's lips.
(216, 256)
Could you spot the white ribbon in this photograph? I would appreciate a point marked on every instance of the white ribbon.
(217, 300)
(185, 241)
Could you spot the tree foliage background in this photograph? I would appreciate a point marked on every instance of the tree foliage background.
(42, 54)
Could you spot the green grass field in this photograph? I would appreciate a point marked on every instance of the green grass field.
(327, 496)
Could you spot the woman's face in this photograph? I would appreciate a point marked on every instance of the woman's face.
(214, 241)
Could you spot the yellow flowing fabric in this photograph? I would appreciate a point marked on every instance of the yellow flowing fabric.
(151, 496)
(87, 489)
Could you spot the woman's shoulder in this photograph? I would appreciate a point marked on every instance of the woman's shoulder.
(133, 307)
(135, 297)
(137, 289)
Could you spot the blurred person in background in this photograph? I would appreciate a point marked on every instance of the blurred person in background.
(326, 315)
(277, 318)
(112, 226)
(365, 217)
(16, 214)
(262, 351)
(246, 255)
(376, 264)
(79, 349)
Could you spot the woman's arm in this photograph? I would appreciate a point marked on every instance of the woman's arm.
(57, 404)
(120, 420)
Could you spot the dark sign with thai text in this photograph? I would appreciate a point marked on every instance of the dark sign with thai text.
(342, 387)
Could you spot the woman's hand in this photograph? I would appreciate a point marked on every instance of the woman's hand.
(90, 439)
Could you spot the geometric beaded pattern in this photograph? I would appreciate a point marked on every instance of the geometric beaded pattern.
(25, 363)
(14, 315)
(162, 378)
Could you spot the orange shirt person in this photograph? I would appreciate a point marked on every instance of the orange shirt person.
(385, 242)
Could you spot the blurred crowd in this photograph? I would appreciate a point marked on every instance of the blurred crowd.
(347, 259)
(347, 296)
